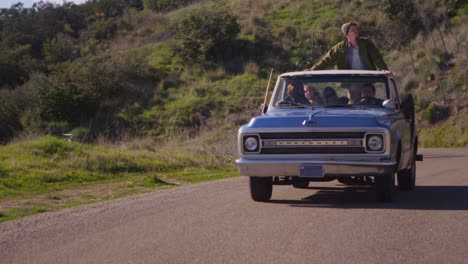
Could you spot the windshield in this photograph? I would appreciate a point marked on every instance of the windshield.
(330, 91)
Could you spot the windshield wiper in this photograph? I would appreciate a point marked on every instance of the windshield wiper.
(288, 103)
(338, 105)
(366, 106)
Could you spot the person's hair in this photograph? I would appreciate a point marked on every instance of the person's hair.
(296, 90)
(290, 89)
(310, 88)
(328, 92)
(370, 85)
(345, 27)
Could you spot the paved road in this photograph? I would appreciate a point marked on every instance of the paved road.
(218, 223)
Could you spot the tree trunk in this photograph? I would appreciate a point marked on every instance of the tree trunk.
(433, 41)
(411, 56)
(443, 41)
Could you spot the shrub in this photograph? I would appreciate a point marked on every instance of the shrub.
(60, 48)
(206, 36)
(105, 29)
(160, 5)
(95, 89)
(12, 75)
(3, 169)
(435, 113)
(81, 134)
(50, 146)
(13, 104)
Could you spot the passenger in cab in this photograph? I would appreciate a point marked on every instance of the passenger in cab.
(295, 93)
(329, 96)
(312, 95)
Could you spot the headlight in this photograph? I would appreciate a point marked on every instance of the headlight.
(375, 143)
(251, 143)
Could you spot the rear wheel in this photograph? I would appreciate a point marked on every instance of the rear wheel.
(384, 188)
(407, 106)
(261, 188)
(407, 178)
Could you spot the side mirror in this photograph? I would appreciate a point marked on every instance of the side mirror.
(407, 106)
(389, 104)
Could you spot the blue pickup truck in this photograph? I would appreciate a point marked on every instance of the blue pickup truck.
(345, 125)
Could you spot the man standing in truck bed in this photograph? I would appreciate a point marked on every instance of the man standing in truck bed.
(353, 53)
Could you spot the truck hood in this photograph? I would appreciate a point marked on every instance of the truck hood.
(322, 117)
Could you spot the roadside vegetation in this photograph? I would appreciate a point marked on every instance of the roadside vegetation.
(151, 92)
(48, 173)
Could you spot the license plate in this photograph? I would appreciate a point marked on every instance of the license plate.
(311, 171)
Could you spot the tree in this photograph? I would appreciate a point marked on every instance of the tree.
(405, 17)
(161, 5)
(206, 35)
(60, 48)
(11, 75)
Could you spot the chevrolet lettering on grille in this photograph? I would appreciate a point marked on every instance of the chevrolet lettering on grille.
(313, 143)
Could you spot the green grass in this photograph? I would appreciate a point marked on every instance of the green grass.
(446, 135)
(304, 15)
(449, 132)
(55, 172)
(28, 209)
(216, 96)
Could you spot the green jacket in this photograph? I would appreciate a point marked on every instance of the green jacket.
(336, 56)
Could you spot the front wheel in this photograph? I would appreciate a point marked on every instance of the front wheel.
(261, 188)
(384, 188)
(407, 177)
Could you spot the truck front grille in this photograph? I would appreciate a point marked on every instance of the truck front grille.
(313, 143)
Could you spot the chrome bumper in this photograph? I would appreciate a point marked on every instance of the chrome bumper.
(332, 168)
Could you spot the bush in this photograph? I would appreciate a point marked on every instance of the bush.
(51, 146)
(3, 169)
(161, 5)
(60, 48)
(81, 134)
(12, 75)
(105, 29)
(97, 88)
(435, 113)
(206, 36)
(13, 105)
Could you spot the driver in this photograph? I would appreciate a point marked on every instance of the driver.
(368, 95)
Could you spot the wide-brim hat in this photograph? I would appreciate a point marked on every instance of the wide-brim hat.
(345, 26)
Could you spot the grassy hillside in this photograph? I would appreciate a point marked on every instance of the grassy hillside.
(124, 69)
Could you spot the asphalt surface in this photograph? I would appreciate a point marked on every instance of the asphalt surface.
(217, 222)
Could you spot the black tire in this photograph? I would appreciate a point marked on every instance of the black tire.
(407, 106)
(407, 177)
(261, 188)
(356, 180)
(384, 186)
(345, 181)
(300, 183)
